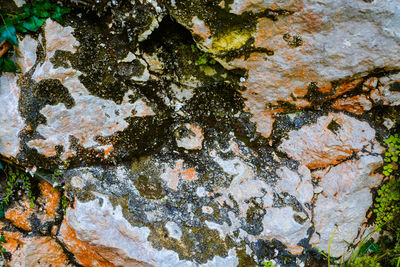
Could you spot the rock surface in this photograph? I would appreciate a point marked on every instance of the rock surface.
(189, 133)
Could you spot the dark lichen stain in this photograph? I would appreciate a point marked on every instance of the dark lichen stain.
(52, 92)
(129, 69)
(198, 244)
(333, 126)
(293, 40)
(395, 87)
(254, 218)
(149, 187)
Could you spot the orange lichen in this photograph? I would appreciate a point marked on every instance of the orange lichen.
(189, 174)
(50, 198)
(346, 86)
(85, 255)
(108, 150)
(357, 104)
(32, 251)
(172, 176)
(19, 215)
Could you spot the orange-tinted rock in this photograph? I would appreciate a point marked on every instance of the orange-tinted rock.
(356, 104)
(50, 198)
(192, 137)
(82, 252)
(240, 6)
(370, 84)
(202, 30)
(34, 251)
(21, 211)
(388, 90)
(173, 175)
(346, 87)
(332, 139)
(19, 214)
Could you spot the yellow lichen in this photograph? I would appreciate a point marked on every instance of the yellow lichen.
(230, 41)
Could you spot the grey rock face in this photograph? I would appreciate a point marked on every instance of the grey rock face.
(251, 134)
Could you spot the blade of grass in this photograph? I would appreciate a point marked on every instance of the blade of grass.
(329, 248)
(363, 241)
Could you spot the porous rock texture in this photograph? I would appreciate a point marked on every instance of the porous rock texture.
(200, 133)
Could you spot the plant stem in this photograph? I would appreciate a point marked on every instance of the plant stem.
(4, 46)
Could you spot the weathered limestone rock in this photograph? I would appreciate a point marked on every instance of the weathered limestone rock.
(257, 6)
(297, 184)
(23, 214)
(249, 135)
(189, 136)
(332, 139)
(110, 236)
(308, 43)
(82, 252)
(343, 204)
(10, 120)
(357, 104)
(101, 118)
(388, 90)
(33, 251)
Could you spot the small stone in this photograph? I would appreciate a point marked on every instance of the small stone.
(189, 136)
(174, 230)
(207, 210)
(388, 123)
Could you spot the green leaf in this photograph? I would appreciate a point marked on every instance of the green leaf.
(20, 28)
(9, 65)
(365, 247)
(1, 166)
(7, 32)
(30, 25)
(1, 211)
(38, 22)
(21, 16)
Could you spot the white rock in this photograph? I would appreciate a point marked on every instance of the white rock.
(191, 139)
(330, 140)
(11, 122)
(173, 230)
(298, 184)
(344, 202)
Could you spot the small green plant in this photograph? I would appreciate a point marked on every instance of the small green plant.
(28, 19)
(268, 264)
(370, 261)
(16, 180)
(387, 208)
(58, 173)
(64, 203)
(2, 240)
(388, 205)
(204, 58)
(359, 255)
